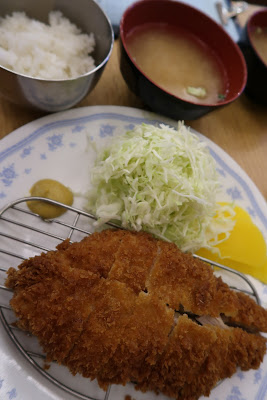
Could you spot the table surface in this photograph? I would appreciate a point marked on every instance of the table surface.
(239, 128)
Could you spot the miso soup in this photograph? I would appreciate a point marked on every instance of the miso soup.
(177, 62)
(259, 41)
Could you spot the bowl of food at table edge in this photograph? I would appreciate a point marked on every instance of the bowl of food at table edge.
(253, 43)
(178, 60)
(52, 54)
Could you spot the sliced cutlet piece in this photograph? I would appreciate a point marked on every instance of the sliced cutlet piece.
(143, 342)
(233, 349)
(96, 252)
(35, 269)
(180, 279)
(134, 260)
(250, 316)
(197, 357)
(56, 307)
(103, 330)
(188, 347)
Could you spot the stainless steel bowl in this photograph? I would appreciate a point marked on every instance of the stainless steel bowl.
(58, 95)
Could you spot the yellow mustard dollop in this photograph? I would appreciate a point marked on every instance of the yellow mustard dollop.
(53, 190)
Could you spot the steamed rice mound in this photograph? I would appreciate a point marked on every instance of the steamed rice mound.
(55, 51)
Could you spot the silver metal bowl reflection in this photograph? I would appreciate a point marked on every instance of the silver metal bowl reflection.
(58, 95)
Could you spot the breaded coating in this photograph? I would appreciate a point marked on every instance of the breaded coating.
(56, 307)
(250, 315)
(180, 279)
(37, 268)
(103, 330)
(146, 336)
(134, 260)
(234, 348)
(96, 252)
(188, 347)
(197, 357)
(114, 307)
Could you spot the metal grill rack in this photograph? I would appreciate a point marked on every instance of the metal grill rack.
(23, 235)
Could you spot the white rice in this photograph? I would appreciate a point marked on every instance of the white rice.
(55, 51)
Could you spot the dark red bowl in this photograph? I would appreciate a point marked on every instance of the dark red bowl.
(256, 87)
(212, 35)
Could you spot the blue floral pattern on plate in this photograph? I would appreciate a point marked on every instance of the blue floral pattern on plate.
(235, 394)
(26, 151)
(54, 142)
(8, 175)
(10, 394)
(106, 130)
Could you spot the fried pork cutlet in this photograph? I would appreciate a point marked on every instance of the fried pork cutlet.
(142, 343)
(122, 306)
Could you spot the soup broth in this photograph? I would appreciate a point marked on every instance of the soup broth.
(259, 41)
(177, 62)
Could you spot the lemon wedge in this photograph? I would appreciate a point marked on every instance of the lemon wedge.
(244, 250)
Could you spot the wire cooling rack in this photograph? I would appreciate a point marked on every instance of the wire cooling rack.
(24, 234)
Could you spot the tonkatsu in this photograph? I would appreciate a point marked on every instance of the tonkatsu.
(122, 306)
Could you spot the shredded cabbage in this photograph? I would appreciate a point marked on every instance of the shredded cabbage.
(160, 180)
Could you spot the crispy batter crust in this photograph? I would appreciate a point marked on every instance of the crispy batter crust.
(197, 357)
(134, 260)
(141, 345)
(54, 305)
(96, 252)
(249, 314)
(180, 279)
(103, 330)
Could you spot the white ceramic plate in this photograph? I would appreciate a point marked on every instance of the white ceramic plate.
(56, 147)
